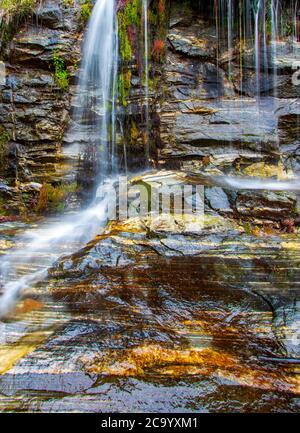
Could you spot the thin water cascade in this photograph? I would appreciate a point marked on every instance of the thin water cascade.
(296, 23)
(257, 49)
(257, 183)
(273, 13)
(94, 119)
(266, 30)
(95, 113)
(230, 34)
(146, 73)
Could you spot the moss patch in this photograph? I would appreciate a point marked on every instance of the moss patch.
(52, 198)
(61, 75)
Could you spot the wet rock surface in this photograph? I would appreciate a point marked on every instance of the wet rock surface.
(210, 107)
(151, 312)
(268, 205)
(160, 312)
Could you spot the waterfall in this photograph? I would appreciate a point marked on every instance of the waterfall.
(94, 120)
(146, 67)
(95, 115)
(296, 30)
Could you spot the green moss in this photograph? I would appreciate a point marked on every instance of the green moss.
(3, 211)
(131, 43)
(86, 8)
(132, 12)
(127, 17)
(124, 85)
(52, 198)
(124, 43)
(4, 139)
(61, 75)
(17, 7)
(129, 26)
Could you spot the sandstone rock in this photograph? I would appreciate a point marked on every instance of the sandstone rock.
(188, 80)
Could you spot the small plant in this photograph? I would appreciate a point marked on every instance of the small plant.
(13, 12)
(124, 85)
(129, 19)
(17, 7)
(61, 75)
(158, 49)
(134, 133)
(86, 8)
(52, 198)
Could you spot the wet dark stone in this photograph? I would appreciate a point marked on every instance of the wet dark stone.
(270, 205)
(50, 15)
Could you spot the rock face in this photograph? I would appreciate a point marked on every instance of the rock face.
(266, 205)
(209, 109)
(168, 311)
(161, 313)
(34, 109)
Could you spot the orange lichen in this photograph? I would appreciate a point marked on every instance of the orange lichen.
(27, 306)
(158, 49)
(177, 362)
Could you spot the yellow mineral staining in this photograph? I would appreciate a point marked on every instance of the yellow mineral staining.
(261, 169)
(291, 245)
(182, 362)
(131, 225)
(175, 223)
(136, 361)
(27, 306)
(204, 111)
(11, 354)
(5, 245)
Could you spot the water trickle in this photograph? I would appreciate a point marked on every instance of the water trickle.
(257, 183)
(273, 13)
(257, 48)
(230, 34)
(43, 247)
(146, 67)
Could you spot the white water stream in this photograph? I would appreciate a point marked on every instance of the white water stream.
(95, 120)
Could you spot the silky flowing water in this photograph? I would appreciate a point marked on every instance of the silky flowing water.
(146, 73)
(122, 318)
(95, 121)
